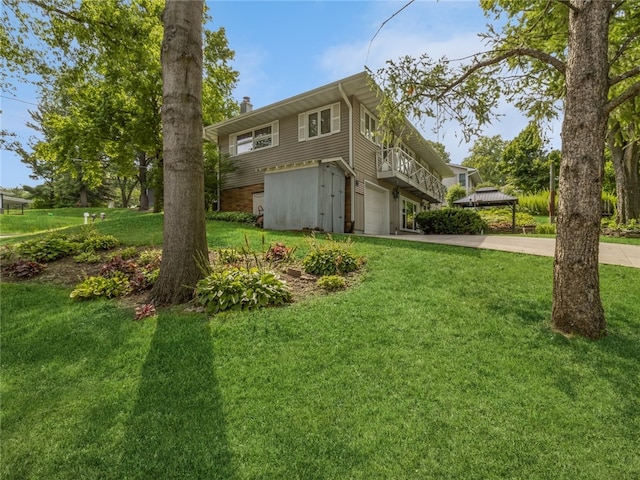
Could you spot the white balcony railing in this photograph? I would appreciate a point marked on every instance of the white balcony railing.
(396, 163)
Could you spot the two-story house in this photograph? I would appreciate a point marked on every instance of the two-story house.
(466, 177)
(315, 161)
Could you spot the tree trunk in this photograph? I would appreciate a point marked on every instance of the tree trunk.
(184, 241)
(143, 164)
(625, 153)
(577, 308)
(84, 197)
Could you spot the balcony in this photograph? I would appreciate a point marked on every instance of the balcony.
(397, 167)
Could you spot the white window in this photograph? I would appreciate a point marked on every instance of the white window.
(319, 123)
(368, 125)
(264, 136)
(462, 179)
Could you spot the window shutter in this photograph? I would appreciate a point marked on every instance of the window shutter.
(232, 145)
(302, 134)
(362, 130)
(275, 133)
(335, 117)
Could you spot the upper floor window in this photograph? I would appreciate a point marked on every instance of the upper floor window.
(462, 179)
(264, 136)
(368, 125)
(319, 123)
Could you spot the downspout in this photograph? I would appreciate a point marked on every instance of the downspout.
(351, 159)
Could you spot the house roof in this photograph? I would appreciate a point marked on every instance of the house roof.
(484, 197)
(358, 85)
(472, 172)
(7, 200)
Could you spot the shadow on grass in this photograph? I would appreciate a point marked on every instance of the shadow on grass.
(177, 428)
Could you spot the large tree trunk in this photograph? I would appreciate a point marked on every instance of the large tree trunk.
(143, 165)
(185, 242)
(577, 308)
(625, 154)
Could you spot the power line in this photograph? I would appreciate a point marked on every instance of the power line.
(382, 25)
(18, 100)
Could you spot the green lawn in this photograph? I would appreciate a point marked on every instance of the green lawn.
(440, 363)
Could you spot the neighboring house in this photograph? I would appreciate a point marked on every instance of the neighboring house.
(466, 177)
(314, 161)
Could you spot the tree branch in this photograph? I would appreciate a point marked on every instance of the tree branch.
(569, 4)
(624, 46)
(628, 74)
(515, 52)
(628, 94)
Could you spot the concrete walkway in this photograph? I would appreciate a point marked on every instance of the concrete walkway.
(611, 253)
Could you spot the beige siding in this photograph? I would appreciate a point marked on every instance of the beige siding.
(289, 150)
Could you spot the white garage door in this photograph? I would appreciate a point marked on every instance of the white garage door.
(376, 210)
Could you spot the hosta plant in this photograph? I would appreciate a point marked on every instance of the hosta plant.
(236, 288)
(329, 258)
(332, 283)
(95, 287)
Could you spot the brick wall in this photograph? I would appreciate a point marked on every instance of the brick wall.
(240, 199)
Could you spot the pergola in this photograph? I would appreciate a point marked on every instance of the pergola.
(490, 197)
(7, 202)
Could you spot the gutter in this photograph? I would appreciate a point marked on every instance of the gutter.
(351, 159)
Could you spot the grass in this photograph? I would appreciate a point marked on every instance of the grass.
(440, 363)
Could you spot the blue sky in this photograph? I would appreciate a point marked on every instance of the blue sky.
(288, 47)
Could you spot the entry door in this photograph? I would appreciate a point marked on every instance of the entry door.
(332, 199)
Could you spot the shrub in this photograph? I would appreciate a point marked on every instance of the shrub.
(124, 253)
(279, 253)
(89, 239)
(451, 221)
(239, 217)
(332, 283)
(95, 287)
(87, 257)
(455, 192)
(330, 258)
(46, 249)
(497, 218)
(23, 269)
(150, 257)
(228, 256)
(536, 203)
(236, 288)
(546, 228)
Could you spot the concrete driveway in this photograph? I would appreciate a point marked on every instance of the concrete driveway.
(611, 253)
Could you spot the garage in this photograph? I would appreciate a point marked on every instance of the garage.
(376, 210)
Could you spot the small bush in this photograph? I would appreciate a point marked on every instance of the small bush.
(23, 269)
(87, 257)
(46, 249)
(329, 258)
(331, 283)
(236, 288)
(90, 240)
(499, 218)
(455, 192)
(239, 217)
(279, 253)
(124, 253)
(150, 257)
(228, 256)
(96, 287)
(450, 221)
(546, 229)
